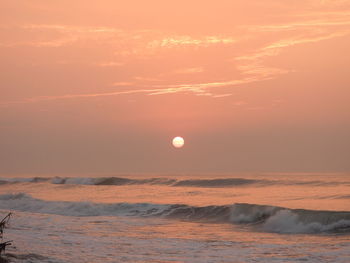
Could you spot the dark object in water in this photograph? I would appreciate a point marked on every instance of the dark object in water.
(4, 223)
(4, 245)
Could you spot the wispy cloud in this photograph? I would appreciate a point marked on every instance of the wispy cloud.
(200, 89)
(76, 96)
(138, 40)
(184, 40)
(300, 25)
(304, 39)
(253, 63)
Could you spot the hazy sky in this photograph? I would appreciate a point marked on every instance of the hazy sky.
(103, 86)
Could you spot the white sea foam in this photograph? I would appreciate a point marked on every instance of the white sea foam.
(287, 221)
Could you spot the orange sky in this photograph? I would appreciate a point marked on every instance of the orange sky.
(104, 86)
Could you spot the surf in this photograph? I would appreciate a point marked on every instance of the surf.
(257, 217)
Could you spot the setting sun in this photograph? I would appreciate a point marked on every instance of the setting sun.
(178, 142)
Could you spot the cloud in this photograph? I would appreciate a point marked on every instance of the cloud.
(199, 89)
(138, 41)
(300, 25)
(253, 64)
(76, 96)
(185, 40)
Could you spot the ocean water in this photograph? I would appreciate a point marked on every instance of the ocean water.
(178, 218)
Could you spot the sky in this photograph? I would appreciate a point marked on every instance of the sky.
(104, 86)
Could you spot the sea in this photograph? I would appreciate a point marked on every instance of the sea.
(265, 217)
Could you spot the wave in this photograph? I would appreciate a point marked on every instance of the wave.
(120, 181)
(261, 217)
(226, 182)
(229, 182)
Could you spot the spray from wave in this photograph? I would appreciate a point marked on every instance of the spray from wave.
(260, 217)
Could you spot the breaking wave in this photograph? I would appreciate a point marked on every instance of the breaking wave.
(120, 181)
(260, 217)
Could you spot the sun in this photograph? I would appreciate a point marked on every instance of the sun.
(178, 142)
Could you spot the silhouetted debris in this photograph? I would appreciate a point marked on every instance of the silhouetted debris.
(4, 245)
(3, 224)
